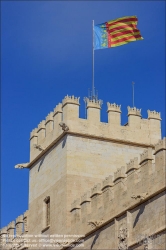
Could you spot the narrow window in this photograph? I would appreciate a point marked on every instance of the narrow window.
(47, 210)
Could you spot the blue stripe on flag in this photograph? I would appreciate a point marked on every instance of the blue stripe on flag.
(100, 36)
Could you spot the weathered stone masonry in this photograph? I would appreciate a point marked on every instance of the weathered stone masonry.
(102, 180)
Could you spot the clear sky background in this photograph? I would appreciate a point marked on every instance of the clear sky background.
(46, 54)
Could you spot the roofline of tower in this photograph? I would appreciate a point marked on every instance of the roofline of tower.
(91, 137)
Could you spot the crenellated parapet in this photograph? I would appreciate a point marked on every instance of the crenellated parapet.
(93, 110)
(10, 229)
(119, 174)
(85, 197)
(154, 115)
(96, 190)
(3, 236)
(34, 134)
(96, 196)
(75, 204)
(113, 107)
(19, 225)
(114, 114)
(130, 185)
(25, 221)
(70, 107)
(154, 119)
(134, 111)
(41, 130)
(11, 225)
(160, 153)
(136, 130)
(70, 100)
(108, 182)
(85, 205)
(12, 236)
(93, 104)
(132, 165)
(49, 117)
(57, 109)
(49, 122)
(161, 145)
(146, 155)
(134, 117)
(3, 230)
(41, 126)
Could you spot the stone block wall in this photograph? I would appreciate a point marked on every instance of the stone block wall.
(127, 209)
(13, 235)
(102, 169)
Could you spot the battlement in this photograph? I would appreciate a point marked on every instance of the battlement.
(132, 165)
(11, 225)
(154, 115)
(108, 182)
(130, 185)
(10, 230)
(49, 117)
(134, 111)
(93, 104)
(85, 197)
(70, 100)
(137, 130)
(14, 229)
(113, 107)
(119, 174)
(161, 145)
(146, 155)
(96, 190)
(41, 126)
(25, 215)
(3, 230)
(57, 109)
(19, 219)
(75, 204)
(33, 133)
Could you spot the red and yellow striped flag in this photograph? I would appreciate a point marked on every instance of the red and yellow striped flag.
(116, 32)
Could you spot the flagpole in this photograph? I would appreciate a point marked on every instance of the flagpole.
(133, 93)
(93, 94)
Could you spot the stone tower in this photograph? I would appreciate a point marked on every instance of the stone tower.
(70, 155)
(74, 157)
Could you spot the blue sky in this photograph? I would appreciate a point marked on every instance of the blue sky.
(46, 53)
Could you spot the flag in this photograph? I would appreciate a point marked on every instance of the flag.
(116, 32)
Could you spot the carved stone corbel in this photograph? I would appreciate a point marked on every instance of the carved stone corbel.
(63, 126)
(139, 196)
(95, 224)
